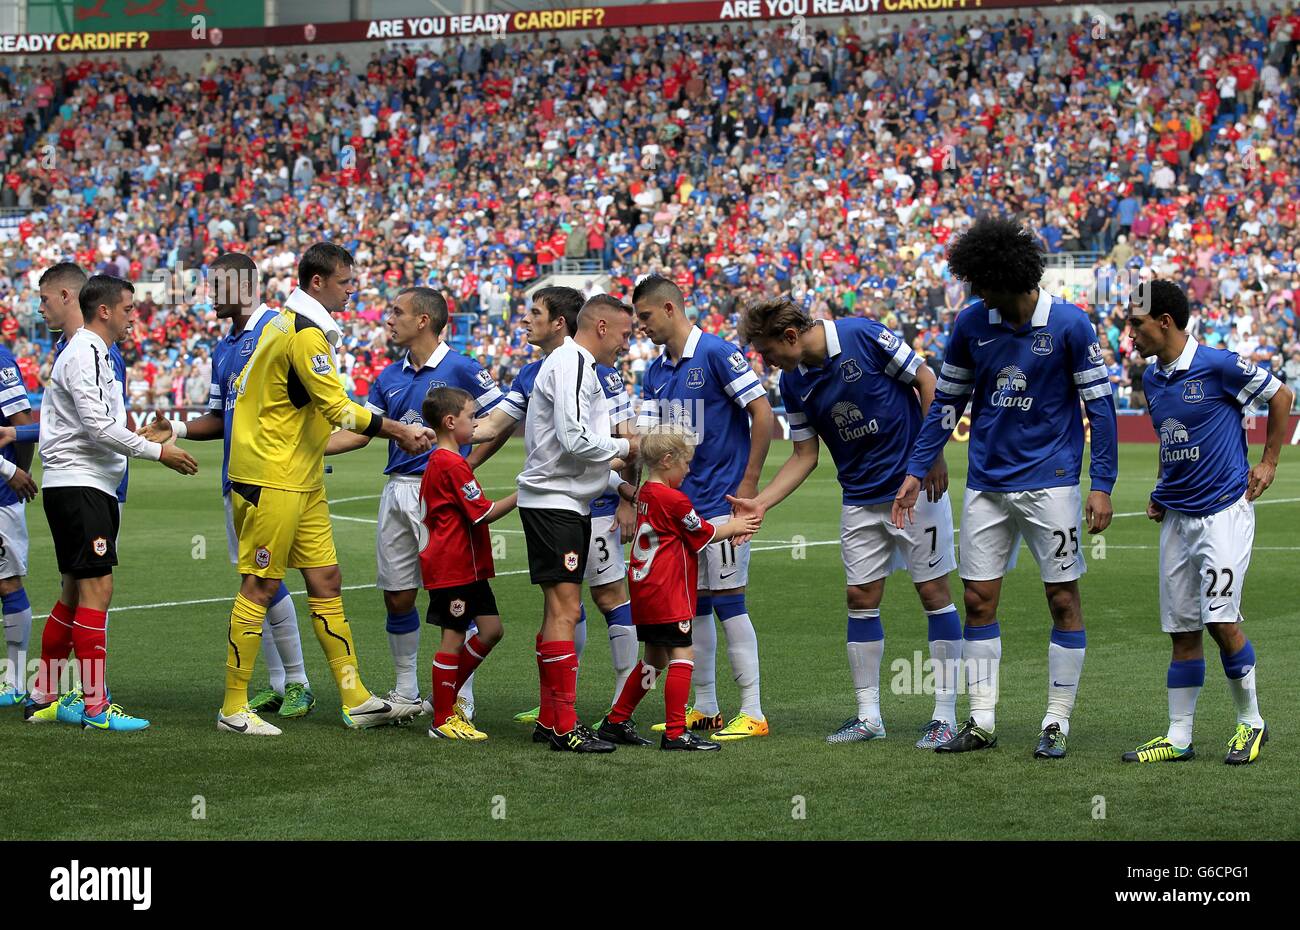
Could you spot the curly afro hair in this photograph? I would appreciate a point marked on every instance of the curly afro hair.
(997, 255)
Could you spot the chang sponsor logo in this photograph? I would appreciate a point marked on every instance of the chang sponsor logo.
(1175, 443)
(851, 423)
(1009, 389)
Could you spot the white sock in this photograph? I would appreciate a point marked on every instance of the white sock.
(18, 630)
(405, 648)
(981, 657)
(742, 652)
(866, 645)
(945, 658)
(1243, 695)
(1184, 681)
(283, 620)
(1182, 712)
(271, 655)
(1240, 669)
(622, 646)
(1064, 666)
(705, 637)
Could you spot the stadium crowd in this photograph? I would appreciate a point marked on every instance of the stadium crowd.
(834, 166)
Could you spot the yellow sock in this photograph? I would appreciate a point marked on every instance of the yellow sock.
(245, 640)
(335, 637)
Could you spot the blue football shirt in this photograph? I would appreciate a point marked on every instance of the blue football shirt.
(861, 404)
(229, 356)
(1196, 409)
(13, 399)
(706, 391)
(1024, 387)
(399, 391)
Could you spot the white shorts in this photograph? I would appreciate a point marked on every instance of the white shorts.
(873, 548)
(13, 541)
(232, 538)
(723, 565)
(605, 554)
(401, 535)
(1203, 562)
(1049, 520)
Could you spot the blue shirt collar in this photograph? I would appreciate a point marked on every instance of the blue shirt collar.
(832, 343)
(1041, 311)
(692, 341)
(1182, 363)
(433, 361)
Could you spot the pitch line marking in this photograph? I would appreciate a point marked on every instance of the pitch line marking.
(773, 548)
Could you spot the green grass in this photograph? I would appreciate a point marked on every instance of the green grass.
(321, 781)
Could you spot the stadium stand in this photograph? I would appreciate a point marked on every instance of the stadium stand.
(834, 168)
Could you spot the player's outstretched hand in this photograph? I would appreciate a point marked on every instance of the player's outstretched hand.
(1155, 511)
(157, 430)
(1098, 511)
(177, 459)
(904, 509)
(1261, 476)
(23, 485)
(935, 482)
(744, 506)
(7, 435)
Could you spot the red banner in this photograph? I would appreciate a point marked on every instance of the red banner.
(407, 28)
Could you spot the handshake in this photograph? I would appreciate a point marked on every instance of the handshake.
(159, 430)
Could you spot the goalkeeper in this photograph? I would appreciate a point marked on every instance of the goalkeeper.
(288, 397)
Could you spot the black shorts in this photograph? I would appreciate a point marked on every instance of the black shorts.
(558, 541)
(670, 635)
(455, 608)
(84, 523)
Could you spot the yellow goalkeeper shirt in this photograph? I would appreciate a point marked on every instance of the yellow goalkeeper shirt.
(288, 399)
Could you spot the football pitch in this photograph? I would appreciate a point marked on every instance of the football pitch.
(181, 779)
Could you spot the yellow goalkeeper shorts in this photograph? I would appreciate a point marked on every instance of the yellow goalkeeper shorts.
(279, 530)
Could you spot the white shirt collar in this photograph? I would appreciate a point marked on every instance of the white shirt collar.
(1184, 360)
(433, 361)
(260, 312)
(96, 339)
(302, 302)
(688, 350)
(832, 343)
(585, 353)
(1042, 311)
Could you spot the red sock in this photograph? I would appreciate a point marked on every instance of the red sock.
(90, 644)
(676, 690)
(56, 646)
(562, 670)
(634, 689)
(445, 672)
(544, 715)
(472, 655)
